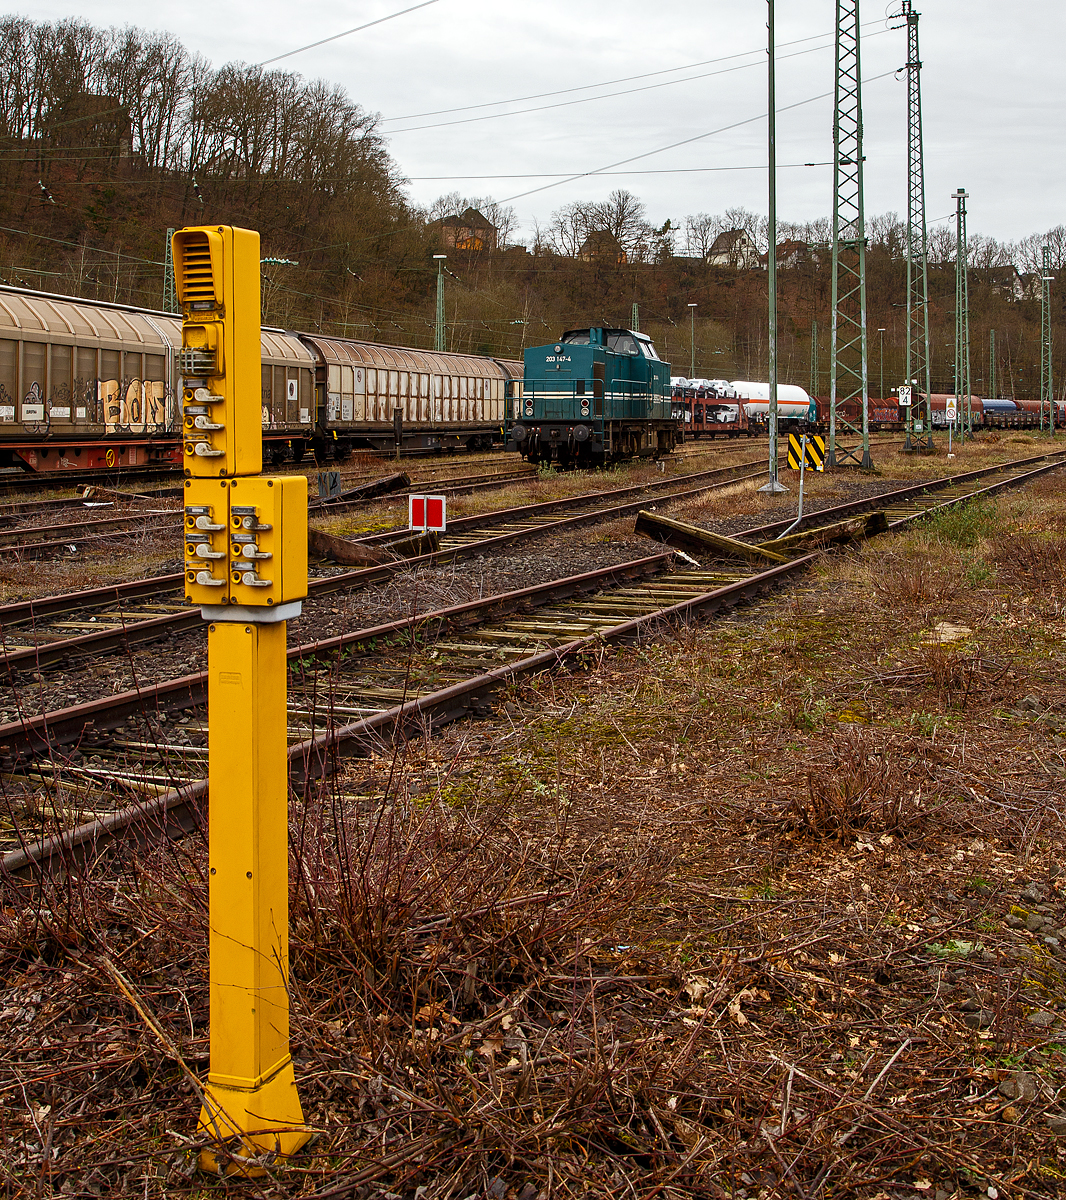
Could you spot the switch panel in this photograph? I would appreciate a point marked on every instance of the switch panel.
(206, 541)
(267, 540)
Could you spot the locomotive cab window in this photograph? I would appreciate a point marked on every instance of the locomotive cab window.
(576, 339)
(622, 343)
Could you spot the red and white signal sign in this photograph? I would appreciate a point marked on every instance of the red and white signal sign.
(427, 512)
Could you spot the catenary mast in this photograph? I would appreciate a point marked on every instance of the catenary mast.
(848, 355)
(1047, 387)
(919, 368)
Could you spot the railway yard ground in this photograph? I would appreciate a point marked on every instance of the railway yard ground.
(768, 905)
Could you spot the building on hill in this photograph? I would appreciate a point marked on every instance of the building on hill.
(790, 253)
(468, 230)
(89, 120)
(735, 249)
(1006, 281)
(602, 246)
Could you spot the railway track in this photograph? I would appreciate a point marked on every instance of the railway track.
(34, 541)
(41, 632)
(351, 694)
(93, 496)
(17, 482)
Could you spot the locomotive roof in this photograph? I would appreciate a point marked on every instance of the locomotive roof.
(642, 337)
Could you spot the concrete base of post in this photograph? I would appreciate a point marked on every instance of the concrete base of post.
(774, 488)
(246, 1141)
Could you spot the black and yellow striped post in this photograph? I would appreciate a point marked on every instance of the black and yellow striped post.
(812, 449)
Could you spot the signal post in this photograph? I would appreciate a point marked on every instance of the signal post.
(246, 567)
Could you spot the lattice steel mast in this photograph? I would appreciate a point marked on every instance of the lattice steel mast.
(848, 353)
(814, 358)
(918, 365)
(1047, 388)
(170, 294)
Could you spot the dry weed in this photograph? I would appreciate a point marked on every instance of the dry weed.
(859, 788)
(912, 581)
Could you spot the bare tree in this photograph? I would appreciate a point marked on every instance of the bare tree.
(754, 225)
(1029, 252)
(568, 228)
(622, 215)
(700, 230)
(986, 252)
(885, 231)
(941, 244)
(501, 216)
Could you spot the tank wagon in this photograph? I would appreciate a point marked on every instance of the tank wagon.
(719, 407)
(596, 395)
(92, 385)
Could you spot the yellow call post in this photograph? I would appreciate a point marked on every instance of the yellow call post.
(246, 566)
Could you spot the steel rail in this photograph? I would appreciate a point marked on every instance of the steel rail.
(459, 483)
(30, 540)
(61, 533)
(523, 511)
(177, 812)
(45, 731)
(123, 635)
(147, 630)
(65, 602)
(991, 489)
(868, 504)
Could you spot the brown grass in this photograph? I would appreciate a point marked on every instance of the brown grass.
(724, 914)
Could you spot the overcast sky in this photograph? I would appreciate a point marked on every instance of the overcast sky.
(993, 96)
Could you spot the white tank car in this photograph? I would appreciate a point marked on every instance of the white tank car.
(793, 402)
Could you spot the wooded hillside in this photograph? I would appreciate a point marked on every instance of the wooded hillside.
(109, 137)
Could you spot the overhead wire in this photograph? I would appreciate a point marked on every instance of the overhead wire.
(358, 29)
(622, 162)
(608, 95)
(440, 112)
(649, 171)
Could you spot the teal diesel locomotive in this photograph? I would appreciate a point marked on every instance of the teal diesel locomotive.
(593, 397)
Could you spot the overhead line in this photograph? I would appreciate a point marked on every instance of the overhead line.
(649, 171)
(457, 178)
(346, 33)
(606, 96)
(440, 112)
(674, 145)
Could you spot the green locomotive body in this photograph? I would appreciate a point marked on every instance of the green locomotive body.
(596, 396)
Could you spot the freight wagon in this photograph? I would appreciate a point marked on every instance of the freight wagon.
(91, 385)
